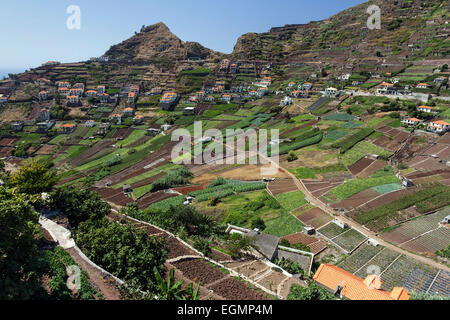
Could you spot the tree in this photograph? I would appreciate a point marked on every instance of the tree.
(171, 290)
(19, 255)
(237, 244)
(79, 205)
(259, 224)
(291, 156)
(203, 245)
(128, 253)
(34, 178)
(313, 292)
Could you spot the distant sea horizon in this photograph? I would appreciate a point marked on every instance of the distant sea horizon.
(5, 71)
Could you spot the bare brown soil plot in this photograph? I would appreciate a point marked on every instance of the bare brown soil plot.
(152, 198)
(356, 200)
(233, 289)
(371, 169)
(385, 199)
(244, 173)
(219, 256)
(445, 139)
(395, 237)
(253, 269)
(5, 152)
(185, 190)
(272, 280)
(176, 248)
(282, 186)
(47, 149)
(8, 142)
(415, 247)
(155, 159)
(360, 165)
(92, 151)
(122, 133)
(315, 217)
(199, 271)
(311, 123)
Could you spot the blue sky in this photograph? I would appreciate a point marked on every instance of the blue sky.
(33, 32)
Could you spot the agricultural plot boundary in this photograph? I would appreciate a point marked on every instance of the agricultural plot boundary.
(342, 239)
(202, 256)
(395, 269)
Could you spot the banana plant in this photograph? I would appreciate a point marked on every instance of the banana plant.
(171, 290)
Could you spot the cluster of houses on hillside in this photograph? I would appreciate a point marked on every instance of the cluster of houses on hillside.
(436, 126)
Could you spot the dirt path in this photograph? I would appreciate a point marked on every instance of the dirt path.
(99, 279)
(106, 286)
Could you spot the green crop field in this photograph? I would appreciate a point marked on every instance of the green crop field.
(291, 200)
(360, 150)
(357, 185)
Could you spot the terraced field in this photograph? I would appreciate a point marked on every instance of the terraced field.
(360, 258)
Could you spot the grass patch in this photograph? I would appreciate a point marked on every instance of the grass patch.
(357, 185)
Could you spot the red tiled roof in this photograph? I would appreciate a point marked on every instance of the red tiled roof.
(355, 288)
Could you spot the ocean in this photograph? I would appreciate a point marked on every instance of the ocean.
(6, 71)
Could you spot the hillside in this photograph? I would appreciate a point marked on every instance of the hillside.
(345, 37)
(157, 42)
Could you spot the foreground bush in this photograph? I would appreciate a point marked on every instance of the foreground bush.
(126, 252)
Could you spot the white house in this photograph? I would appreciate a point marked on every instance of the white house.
(101, 90)
(73, 99)
(425, 109)
(76, 92)
(91, 93)
(438, 126)
(104, 98)
(131, 97)
(261, 92)
(63, 91)
(384, 87)
(423, 86)
(3, 99)
(411, 121)
(168, 100)
(43, 95)
(306, 86)
(128, 112)
(331, 92)
(226, 98)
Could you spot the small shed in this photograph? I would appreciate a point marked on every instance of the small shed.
(127, 189)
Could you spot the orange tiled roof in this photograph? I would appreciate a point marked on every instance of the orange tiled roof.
(414, 119)
(355, 288)
(68, 125)
(440, 122)
(422, 84)
(128, 109)
(139, 116)
(425, 107)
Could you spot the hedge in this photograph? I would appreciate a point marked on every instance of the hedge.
(349, 142)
